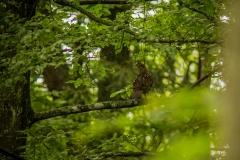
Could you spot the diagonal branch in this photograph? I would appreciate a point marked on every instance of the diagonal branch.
(91, 16)
(205, 77)
(85, 108)
(83, 11)
(201, 12)
(211, 18)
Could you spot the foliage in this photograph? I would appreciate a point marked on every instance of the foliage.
(174, 127)
(180, 42)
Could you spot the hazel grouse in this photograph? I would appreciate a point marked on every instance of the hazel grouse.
(142, 83)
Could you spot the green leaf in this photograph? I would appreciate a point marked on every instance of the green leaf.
(106, 12)
(102, 72)
(71, 81)
(78, 82)
(97, 7)
(114, 135)
(113, 94)
(118, 47)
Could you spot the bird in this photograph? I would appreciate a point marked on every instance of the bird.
(142, 83)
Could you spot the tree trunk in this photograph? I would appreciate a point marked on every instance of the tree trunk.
(108, 84)
(15, 115)
(15, 106)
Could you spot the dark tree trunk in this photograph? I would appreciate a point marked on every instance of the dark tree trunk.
(15, 106)
(106, 86)
(56, 78)
(108, 55)
(15, 115)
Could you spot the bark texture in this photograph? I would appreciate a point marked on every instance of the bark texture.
(15, 106)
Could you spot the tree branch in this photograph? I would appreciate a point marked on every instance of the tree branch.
(83, 11)
(135, 154)
(85, 108)
(186, 41)
(83, 2)
(123, 154)
(211, 18)
(110, 23)
(205, 77)
(91, 16)
(201, 12)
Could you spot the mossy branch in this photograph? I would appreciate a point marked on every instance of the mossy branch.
(84, 108)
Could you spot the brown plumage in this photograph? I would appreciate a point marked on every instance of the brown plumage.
(142, 83)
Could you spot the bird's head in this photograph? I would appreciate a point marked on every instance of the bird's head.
(141, 67)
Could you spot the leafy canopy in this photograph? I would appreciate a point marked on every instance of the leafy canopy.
(179, 41)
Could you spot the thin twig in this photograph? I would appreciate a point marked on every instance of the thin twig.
(88, 70)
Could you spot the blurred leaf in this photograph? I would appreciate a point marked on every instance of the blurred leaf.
(78, 82)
